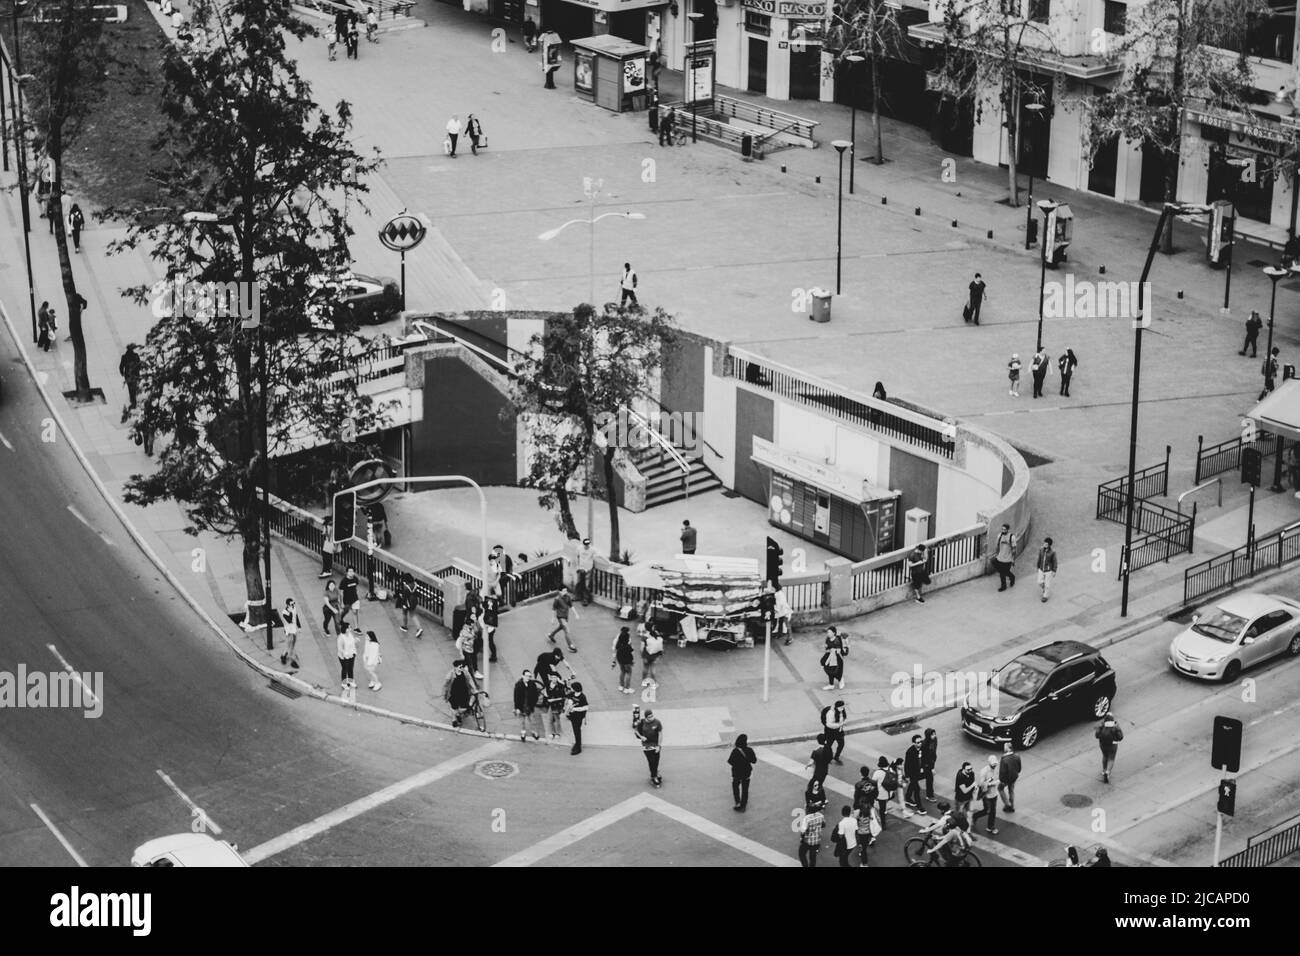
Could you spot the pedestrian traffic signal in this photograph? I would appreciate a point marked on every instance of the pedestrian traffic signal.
(1252, 465)
(345, 516)
(774, 553)
(1227, 796)
(1225, 750)
(767, 606)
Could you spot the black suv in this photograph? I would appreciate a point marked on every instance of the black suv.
(1051, 685)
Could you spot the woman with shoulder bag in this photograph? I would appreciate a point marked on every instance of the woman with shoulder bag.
(832, 660)
(332, 607)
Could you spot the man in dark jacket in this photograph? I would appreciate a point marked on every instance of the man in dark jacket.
(833, 720)
(1108, 736)
(1008, 774)
(742, 760)
(1253, 325)
(964, 788)
(527, 695)
(129, 368)
(912, 771)
(819, 761)
(929, 757)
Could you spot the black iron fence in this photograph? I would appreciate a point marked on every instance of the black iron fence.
(1226, 455)
(1264, 849)
(1149, 482)
(1223, 570)
(1159, 545)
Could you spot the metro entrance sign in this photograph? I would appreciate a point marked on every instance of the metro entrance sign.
(404, 231)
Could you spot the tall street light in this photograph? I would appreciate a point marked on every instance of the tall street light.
(593, 190)
(18, 6)
(1035, 110)
(840, 146)
(695, 18)
(1274, 274)
(855, 59)
(1047, 206)
(1238, 167)
(1170, 209)
(20, 139)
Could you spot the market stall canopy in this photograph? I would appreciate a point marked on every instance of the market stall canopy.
(643, 575)
(711, 586)
(1279, 413)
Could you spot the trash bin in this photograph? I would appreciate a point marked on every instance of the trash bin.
(821, 305)
(1031, 239)
(653, 113)
(747, 146)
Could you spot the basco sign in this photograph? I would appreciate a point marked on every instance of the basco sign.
(403, 232)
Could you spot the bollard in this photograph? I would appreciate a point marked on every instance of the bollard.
(917, 212)
(783, 167)
(884, 200)
(1102, 270)
(954, 223)
(990, 233)
(1180, 293)
(818, 179)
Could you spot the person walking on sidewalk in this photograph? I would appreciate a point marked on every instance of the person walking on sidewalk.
(577, 710)
(1046, 569)
(528, 701)
(651, 734)
(1013, 374)
(1040, 366)
(46, 327)
(978, 294)
(560, 608)
(1108, 737)
(1066, 364)
(474, 130)
(351, 599)
(741, 760)
(929, 758)
(881, 778)
(129, 368)
(586, 568)
(782, 614)
(353, 36)
(470, 644)
(328, 548)
(76, 223)
(1253, 324)
(987, 786)
(833, 720)
(627, 284)
(913, 771)
(1004, 557)
(622, 657)
(292, 622)
(819, 761)
(371, 659)
(964, 788)
(832, 659)
(1269, 370)
(917, 574)
(652, 648)
(687, 538)
(346, 646)
(845, 837)
(810, 827)
(453, 134)
(666, 122)
(529, 32)
(556, 694)
(332, 608)
(488, 620)
(1008, 774)
(406, 600)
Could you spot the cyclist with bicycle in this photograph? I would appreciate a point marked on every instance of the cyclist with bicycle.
(460, 692)
(666, 127)
(954, 835)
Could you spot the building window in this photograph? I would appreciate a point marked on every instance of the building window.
(759, 24)
(1010, 8)
(1040, 10)
(1116, 21)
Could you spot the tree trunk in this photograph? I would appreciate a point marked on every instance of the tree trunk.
(1011, 109)
(875, 111)
(567, 524)
(607, 460)
(250, 530)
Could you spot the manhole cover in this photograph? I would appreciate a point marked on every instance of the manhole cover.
(496, 769)
(1076, 800)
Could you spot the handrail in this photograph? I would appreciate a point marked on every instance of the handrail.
(1204, 484)
(660, 441)
(775, 131)
(435, 332)
(737, 106)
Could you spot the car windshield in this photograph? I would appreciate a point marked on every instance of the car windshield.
(1021, 678)
(1220, 625)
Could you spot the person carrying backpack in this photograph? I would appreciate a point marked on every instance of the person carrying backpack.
(76, 223)
(1108, 735)
(882, 777)
(652, 648)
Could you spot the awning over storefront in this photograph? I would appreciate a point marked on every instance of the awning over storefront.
(1280, 412)
(1079, 67)
(828, 478)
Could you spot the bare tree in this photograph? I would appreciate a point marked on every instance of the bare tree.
(867, 29)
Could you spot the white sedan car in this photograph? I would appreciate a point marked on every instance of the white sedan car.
(1237, 632)
(187, 849)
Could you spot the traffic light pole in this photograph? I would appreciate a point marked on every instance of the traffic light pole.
(1218, 836)
(767, 659)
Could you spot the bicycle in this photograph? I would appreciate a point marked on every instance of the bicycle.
(475, 710)
(916, 852)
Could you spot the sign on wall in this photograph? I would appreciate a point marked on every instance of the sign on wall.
(582, 72)
(634, 75)
(700, 60)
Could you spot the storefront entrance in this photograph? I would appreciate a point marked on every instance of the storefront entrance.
(1254, 200)
(1102, 172)
(629, 25)
(757, 66)
(806, 73)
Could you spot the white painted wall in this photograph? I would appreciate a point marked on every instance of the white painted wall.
(720, 424)
(1128, 171)
(858, 454)
(804, 432)
(730, 59)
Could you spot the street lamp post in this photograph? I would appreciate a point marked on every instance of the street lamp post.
(18, 103)
(1047, 206)
(1274, 274)
(855, 59)
(1036, 110)
(1238, 166)
(694, 18)
(20, 138)
(1170, 209)
(840, 146)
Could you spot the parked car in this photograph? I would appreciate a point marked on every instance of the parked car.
(1235, 633)
(1049, 686)
(187, 849)
(358, 299)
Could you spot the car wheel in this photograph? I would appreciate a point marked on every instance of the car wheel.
(1294, 647)
(1027, 735)
(1231, 671)
(1101, 706)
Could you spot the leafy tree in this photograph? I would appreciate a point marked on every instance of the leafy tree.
(66, 53)
(987, 46)
(579, 373)
(1173, 57)
(869, 29)
(254, 170)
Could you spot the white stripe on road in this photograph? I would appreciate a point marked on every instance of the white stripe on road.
(58, 836)
(82, 518)
(835, 785)
(209, 825)
(85, 691)
(645, 801)
(5, 441)
(342, 815)
(1069, 833)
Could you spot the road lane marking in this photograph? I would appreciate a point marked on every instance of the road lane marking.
(835, 785)
(76, 675)
(209, 825)
(354, 809)
(645, 801)
(1070, 834)
(58, 836)
(5, 441)
(82, 518)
